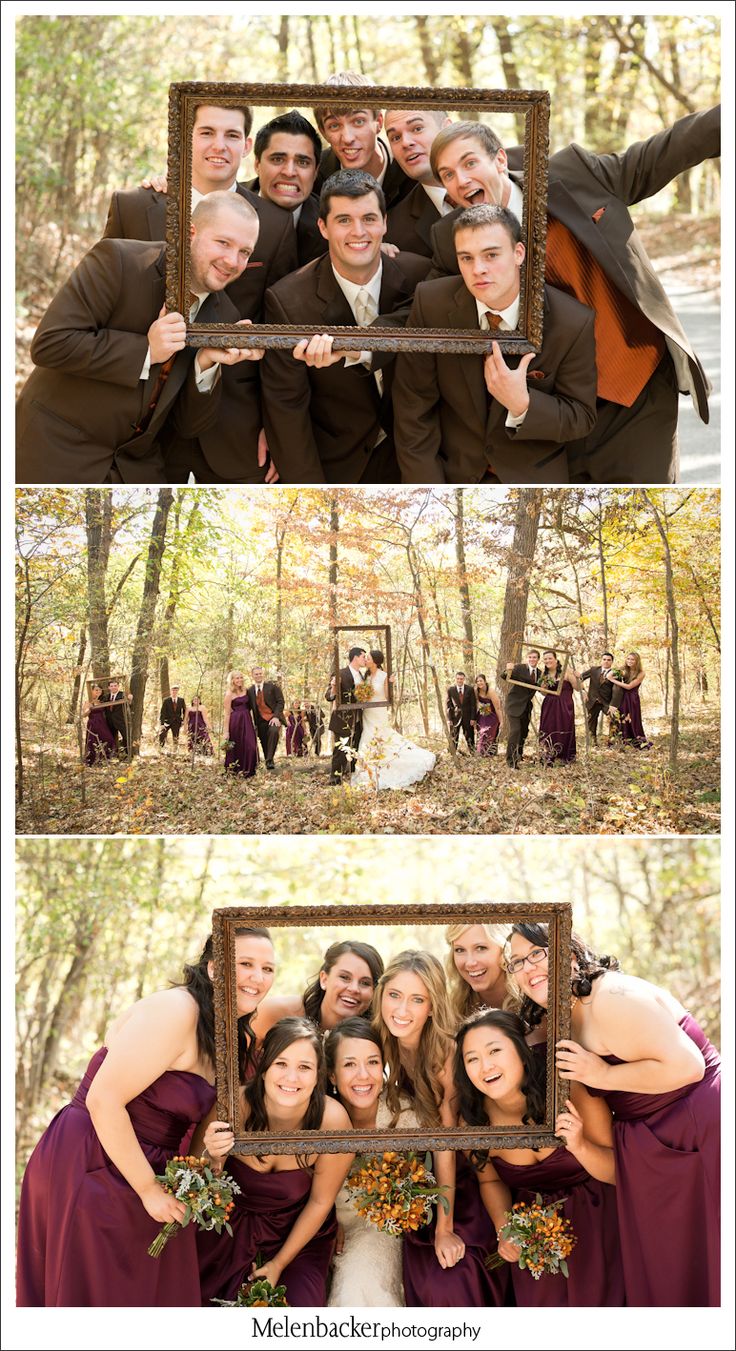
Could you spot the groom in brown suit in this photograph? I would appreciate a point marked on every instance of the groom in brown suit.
(594, 252)
(328, 415)
(112, 367)
(462, 419)
(346, 724)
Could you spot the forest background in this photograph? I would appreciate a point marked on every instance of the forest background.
(92, 117)
(184, 585)
(103, 923)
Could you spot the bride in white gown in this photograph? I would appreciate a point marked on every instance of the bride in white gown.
(367, 1271)
(385, 758)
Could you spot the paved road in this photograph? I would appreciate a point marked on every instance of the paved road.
(700, 445)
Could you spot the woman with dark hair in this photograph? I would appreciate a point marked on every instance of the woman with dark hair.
(385, 758)
(632, 728)
(557, 718)
(489, 717)
(99, 741)
(342, 988)
(284, 1222)
(198, 727)
(367, 1263)
(90, 1205)
(637, 1047)
(501, 1082)
(444, 1263)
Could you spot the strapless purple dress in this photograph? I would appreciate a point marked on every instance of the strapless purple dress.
(596, 1273)
(99, 742)
(557, 726)
(198, 736)
(469, 1284)
(632, 728)
(668, 1186)
(83, 1233)
(265, 1213)
(242, 756)
(488, 728)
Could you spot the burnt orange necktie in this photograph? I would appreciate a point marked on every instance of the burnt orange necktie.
(628, 346)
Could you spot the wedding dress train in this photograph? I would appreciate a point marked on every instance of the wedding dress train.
(385, 758)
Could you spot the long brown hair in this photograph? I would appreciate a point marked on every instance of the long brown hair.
(436, 1042)
(284, 1033)
(631, 672)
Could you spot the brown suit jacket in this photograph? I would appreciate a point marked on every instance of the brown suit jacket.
(322, 425)
(410, 222)
(77, 411)
(395, 184)
(581, 184)
(447, 427)
(310, 244)
(230, 446)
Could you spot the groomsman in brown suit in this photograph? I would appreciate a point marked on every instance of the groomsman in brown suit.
(594, 252)
(328, 415)
(112, 368)
(266, 701)
(463, 419)
(601, 693)
(410, 134)
(355, 143)
(286, 152)
(234, 450)
(519, 700)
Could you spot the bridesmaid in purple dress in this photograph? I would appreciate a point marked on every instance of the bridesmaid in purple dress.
(90, 1203)
(284, 1217)
(632, 729)
(241, 756)
(557, 718)
(198, 727)
(290, 729)
(638, 1048)
(99, 742)
(297, 741)
(443, 1262)
(500, 1082)
(488, 721)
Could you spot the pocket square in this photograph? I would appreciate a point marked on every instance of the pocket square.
(536, 375)
(248, 266)
(597, 214)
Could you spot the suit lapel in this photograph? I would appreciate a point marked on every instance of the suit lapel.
(463, 313)
(336, 307)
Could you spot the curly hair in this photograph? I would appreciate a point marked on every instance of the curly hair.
(435, 1045)
(314, 994)
(461, 995)
(472, 1103)
(587, 966)
(283, 1034)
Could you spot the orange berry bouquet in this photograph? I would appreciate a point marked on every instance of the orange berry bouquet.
(393, 1191)
(207, 1197)
(544, 1237)
(363, 692)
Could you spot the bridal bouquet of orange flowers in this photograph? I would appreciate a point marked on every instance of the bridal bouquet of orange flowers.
(393, 1191)
(363, 691)
(544, 1238)
(207, 1197)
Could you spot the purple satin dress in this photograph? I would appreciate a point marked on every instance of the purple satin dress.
(198, 736)
(99, 742)
(242, 756)
(668, 1186)
(83, 1233)
(469, 1284)
(557, 726)
(265, 1213)
(488, 728)
(632, 729)
(297, 742)
(596, 1273)
(290, 729)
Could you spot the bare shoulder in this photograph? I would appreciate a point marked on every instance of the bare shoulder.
(334, 1117)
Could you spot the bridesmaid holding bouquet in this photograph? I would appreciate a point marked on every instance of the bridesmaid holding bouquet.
(488, 720)
(557, 718)
(632, 728)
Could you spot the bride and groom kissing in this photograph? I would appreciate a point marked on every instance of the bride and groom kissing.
(363, 733)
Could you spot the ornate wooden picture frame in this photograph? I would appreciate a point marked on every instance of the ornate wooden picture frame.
(328, 923)
(563, 657)
(461, 104)
(360, 631)
(104, 683)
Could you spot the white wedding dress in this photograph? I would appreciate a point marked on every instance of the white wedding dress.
(367, 1274)
(385, 758)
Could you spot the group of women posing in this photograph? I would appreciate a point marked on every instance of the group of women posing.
(403, 1046)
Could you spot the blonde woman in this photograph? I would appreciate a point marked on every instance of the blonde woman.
(632, 730)
(241, 755)
(415, 1023)
(476, 977)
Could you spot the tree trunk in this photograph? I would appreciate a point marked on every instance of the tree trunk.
(602, 565)
(98, 517)
(660, 520)
(462, 577)
(311, 48)
(427, 48)
(519, 567)
(332, 571)
(71, 715)
(420, 610)
(146, 616)
(283, 41)
(500, 26)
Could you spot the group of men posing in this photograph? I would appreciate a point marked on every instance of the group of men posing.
(406, 218)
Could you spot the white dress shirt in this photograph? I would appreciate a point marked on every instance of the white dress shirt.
(438, 197)
(509, 321)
